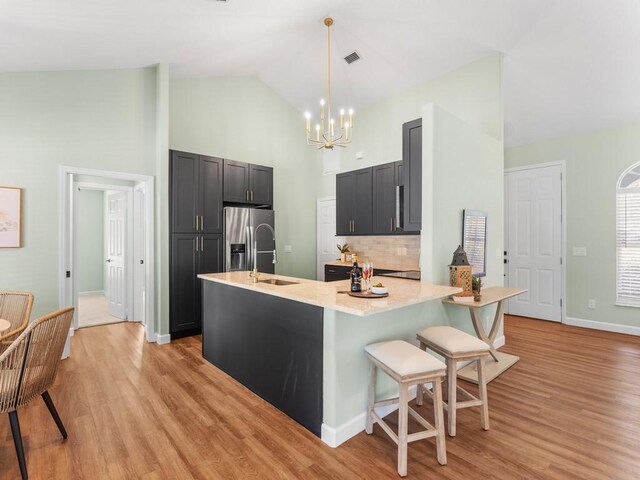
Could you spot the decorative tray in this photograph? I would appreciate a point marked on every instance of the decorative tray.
(367, 295)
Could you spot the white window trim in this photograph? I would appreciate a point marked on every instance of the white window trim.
(622, 300)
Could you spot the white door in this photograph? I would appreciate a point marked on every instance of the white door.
(116, 241)
(326, 245)
(534, 241)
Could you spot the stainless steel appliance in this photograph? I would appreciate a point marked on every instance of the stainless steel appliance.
(240, 234)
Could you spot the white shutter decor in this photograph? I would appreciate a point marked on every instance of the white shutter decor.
(628, 243)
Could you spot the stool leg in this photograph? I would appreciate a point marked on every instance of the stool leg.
(439, 421)
(451, 399)
(420, 386)
(372, 397)
(403, 423)
(482, 389)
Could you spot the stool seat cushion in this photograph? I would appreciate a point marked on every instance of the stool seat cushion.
(404, 358)
(453, 340)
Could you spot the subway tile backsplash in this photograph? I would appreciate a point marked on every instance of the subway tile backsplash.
(387, 250)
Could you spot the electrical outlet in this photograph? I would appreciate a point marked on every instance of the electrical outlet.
(579, 251)
(591, 303)
(359, 155)
(288, 248)
(404, 251)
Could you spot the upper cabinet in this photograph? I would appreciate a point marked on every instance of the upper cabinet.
(247, 183)
(354, 208)
(412, 166)
(196, 193)
(387, 180)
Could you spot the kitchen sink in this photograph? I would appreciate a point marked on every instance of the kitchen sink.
(277, 281)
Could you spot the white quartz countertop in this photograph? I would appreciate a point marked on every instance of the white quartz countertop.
(402, 293)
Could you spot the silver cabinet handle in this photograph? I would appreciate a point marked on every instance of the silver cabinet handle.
(391, 224)
(197, 249)
(202, 222)
(202, 244)
(252, 195)
(397, 206)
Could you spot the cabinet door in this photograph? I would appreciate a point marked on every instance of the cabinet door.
(260, 185)
(236, 181)
(210, 254)
(183, 196)
(384, 198)
(210, 194)
(363, 202)
(334, 273)
(344, 203)
(184, 286)
(412, 166)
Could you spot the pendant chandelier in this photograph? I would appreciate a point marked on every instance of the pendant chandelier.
(327, 134)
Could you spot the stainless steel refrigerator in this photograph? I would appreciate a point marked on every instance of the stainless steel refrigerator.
(240, 234)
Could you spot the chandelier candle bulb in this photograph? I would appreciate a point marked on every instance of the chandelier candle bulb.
(318, 133)
(332, 122)
(342, 118)
(308, 117)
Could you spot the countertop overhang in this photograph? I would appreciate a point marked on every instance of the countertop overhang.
(402, 293)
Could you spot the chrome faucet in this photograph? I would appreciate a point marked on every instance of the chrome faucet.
(255, 273)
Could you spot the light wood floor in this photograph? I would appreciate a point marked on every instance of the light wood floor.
(570, 409)
(93, 309)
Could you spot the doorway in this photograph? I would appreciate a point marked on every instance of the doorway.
(326, 232)
(534, 240)
(104, 238)
(128, 248)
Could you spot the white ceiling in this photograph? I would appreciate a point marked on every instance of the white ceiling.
(569, 65)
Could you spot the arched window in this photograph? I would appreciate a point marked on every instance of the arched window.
(628, 237)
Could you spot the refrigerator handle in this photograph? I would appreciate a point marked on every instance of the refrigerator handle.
(249, 249)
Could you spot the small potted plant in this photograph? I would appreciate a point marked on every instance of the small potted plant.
(477, 287)
(343, 249)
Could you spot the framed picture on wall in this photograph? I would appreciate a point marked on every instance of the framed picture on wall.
(10, 217)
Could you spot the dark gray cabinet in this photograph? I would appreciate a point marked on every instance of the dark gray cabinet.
(334, 273)
(412, 166)
(191, 254)
(248, 183)
(387, 200)
(195, 206)
(354, 209)
(196, 193)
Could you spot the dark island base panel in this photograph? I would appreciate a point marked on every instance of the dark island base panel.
(271, 345)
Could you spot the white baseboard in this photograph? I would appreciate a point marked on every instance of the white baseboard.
(334, 437)
(499, 342)
(608, 327)
(163, 339)
(91, 292)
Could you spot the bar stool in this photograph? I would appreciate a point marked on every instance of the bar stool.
(407, 365)
(457, 346)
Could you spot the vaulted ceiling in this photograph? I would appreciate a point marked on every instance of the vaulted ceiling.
(569, 65)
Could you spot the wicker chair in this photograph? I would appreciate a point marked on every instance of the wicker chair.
(16, 308)
(28, 368)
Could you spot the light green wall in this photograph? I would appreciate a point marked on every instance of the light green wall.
(594, 162)
(472, 93)
(94, 119)
(240, 118)
(90, 237)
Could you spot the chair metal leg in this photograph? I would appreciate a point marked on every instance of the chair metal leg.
(17, 440)
(371, 400)
(54, 413)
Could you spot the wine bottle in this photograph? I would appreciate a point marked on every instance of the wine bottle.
(356, 278)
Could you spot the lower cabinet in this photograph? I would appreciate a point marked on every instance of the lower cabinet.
(333, 273)
(191, 254)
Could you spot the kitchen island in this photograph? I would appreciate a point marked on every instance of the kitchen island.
(299, 343)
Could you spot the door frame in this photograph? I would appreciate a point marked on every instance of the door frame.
(563, 223)
(66, 247)
(129, 242)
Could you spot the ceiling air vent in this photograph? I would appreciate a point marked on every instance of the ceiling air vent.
(352, 57)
